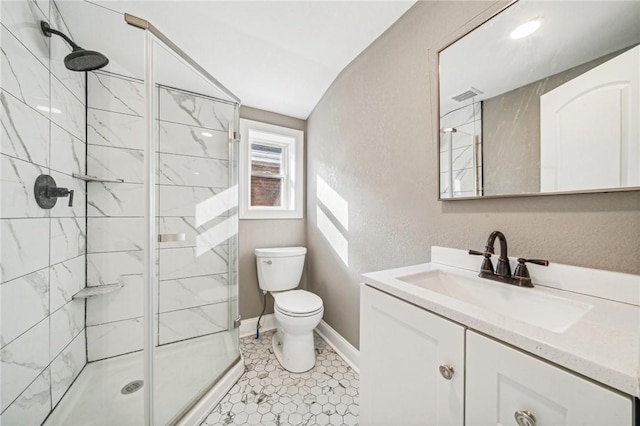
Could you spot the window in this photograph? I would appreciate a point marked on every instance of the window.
(271, 159)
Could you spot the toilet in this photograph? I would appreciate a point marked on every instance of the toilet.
(297, 312)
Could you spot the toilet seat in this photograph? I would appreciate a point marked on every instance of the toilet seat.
(298, 315)
(297, 303)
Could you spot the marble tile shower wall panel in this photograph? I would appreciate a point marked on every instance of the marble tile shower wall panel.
(194, 199)
(197, 321)
(115, 223)
(457, 150)
(195, 141)
(73, 81)
(42, 115)
(189, 109)
(114, 338)
(116, 94)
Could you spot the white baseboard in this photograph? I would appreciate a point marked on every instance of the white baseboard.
(248, 326)
(201, 410)
(345, 349)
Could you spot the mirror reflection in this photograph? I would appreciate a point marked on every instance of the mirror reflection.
(542, 98)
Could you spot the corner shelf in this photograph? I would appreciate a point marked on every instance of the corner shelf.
(97, 291)
(89, 178)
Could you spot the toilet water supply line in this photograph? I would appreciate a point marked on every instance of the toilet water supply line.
(264, 308)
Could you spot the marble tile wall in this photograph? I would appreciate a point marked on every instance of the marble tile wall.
(193, 176)
(115, 213)
(457, 169)
(42, 112)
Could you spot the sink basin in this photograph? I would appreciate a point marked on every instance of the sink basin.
(534, 306)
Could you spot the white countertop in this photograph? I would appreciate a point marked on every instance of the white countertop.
(603, 345)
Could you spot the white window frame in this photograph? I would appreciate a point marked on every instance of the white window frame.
(292, 195)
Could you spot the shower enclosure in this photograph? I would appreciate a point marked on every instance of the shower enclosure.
(121, 308)
(461, 166)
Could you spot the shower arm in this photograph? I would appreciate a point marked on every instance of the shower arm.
(47, 31)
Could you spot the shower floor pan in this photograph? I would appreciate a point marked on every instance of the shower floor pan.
(182, 370)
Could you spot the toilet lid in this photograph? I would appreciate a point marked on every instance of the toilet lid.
(298, 302)
(280, 251)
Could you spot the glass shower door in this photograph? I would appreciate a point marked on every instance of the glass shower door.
(195, 195)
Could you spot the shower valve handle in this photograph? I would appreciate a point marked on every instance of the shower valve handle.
(55, 192)
(47, 192)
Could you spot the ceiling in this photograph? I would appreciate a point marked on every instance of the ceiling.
(572, 33)
(279, 56)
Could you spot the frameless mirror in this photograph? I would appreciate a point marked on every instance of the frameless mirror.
(542, 98)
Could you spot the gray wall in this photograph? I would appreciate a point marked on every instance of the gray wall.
(265, 232)
(373, 139)
(511, 141)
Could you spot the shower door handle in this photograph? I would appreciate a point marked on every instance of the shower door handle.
(170, 238)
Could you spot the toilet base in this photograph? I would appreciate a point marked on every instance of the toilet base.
(299, 355)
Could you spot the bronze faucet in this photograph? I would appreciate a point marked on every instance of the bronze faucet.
(502, 272)
(502, 268)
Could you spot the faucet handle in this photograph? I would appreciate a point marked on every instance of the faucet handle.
(535, 261)
(522, 272)
(487, 265)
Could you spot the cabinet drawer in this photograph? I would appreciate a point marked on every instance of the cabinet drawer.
(501, 381)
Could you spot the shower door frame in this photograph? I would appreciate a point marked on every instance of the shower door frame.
(152, 36)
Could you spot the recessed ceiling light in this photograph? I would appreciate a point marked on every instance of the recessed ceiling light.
(526, 29)
(206, 134)
(47, 109)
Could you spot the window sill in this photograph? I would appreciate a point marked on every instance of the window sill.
(252, 215)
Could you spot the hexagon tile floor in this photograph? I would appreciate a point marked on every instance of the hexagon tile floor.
(268, 395)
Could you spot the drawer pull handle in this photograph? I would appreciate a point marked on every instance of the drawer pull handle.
(268, 262)
(524, 418)
(446, 371)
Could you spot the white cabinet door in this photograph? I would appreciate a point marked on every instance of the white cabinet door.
(401, 349)
(590, 128)
(502, 381)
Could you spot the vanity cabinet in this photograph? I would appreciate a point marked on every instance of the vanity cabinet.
(402, 348)
(502, 383)
(406, 354)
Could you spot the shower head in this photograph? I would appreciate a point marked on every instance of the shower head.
(79, 59)
(85, 60)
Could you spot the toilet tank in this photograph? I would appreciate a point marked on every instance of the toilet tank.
(280, 269)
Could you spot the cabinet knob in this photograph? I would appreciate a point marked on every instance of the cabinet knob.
(446, 371)
(524, 418)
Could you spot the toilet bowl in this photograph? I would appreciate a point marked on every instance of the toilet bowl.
(297, 312)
